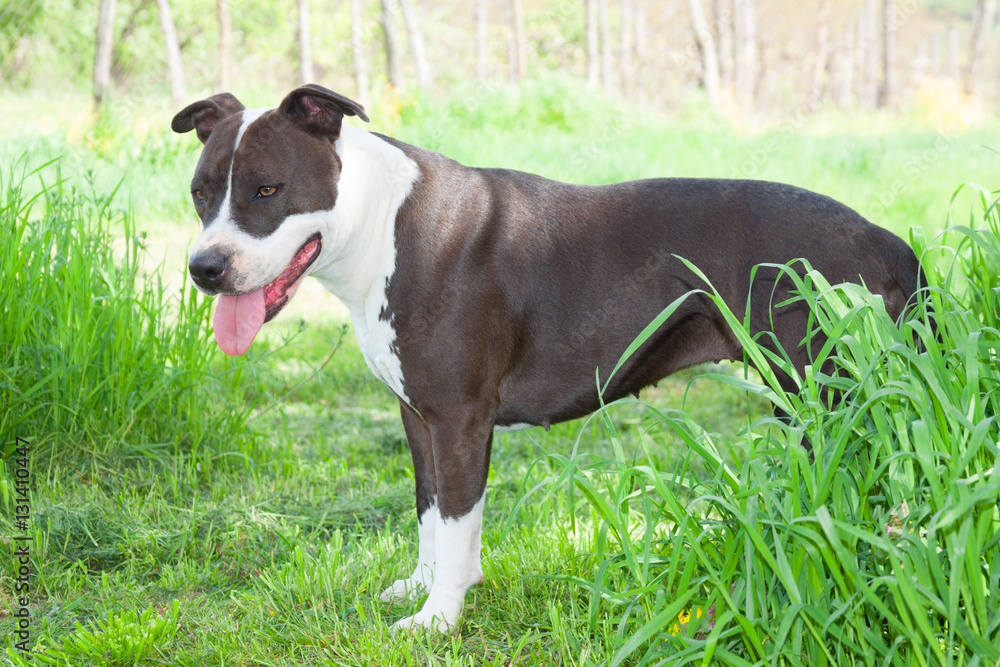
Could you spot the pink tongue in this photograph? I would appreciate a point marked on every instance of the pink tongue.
(237, 321)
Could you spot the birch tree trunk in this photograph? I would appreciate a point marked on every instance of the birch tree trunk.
(709, 57)
(821, 56)
(305, 47)
(723, 13)
(604, 27)
(105, 45)
(482, 41)
(358, 53)
(745, 29)
(393, 65)
(848, 58)
(983, 14)
(225, 45)
(417, 47)
(177, 89)
(954, 45)
(627, 62)
(593, 46)
(868, 34)
(887, 93)
(516, 46)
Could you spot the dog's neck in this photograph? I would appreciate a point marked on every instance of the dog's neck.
(359, 253)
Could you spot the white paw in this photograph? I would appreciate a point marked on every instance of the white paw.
(424, 619)
(403, 590)
(440, 611)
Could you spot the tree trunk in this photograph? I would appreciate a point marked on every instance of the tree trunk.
(604, 27)
(516, 46)
(225, 45)
(105, 44)
(723, 11)
(593, 46)
(821, 55)
(482, 41)
(709, 57)
(954, 45)
(305, 46)
(358, 52)
(845, 78)
(936, 54)
(983, 14)
(417, 47)
(887, 93)
(628, 64)
(174, 64)
(641, 29)
(868, 34)
(745, 29)
(394, 66)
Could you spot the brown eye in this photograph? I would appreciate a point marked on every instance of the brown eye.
(267, 191)
(198, 195)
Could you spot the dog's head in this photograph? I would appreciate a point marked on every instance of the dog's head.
(265, 181)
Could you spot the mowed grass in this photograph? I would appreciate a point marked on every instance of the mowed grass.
(264, 538)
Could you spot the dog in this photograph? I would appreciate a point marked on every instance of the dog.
(486, 298)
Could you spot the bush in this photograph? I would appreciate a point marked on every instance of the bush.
(87, 354)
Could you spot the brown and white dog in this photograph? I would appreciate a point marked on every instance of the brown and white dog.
(486, 298)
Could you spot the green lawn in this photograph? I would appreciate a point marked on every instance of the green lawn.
(187, 509)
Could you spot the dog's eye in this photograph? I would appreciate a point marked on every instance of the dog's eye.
(198, 195)
(266, 191)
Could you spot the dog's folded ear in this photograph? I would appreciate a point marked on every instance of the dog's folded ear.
(202, 116)
(320, 111)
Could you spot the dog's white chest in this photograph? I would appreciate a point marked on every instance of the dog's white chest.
(377, 340)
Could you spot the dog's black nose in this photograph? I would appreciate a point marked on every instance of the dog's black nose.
(207, 268)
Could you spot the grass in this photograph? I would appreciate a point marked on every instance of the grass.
(191, 510)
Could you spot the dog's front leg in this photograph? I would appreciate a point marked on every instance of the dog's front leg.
(461, 452)
(418, 436)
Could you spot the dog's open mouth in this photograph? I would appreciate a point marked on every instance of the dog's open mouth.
(238, 317)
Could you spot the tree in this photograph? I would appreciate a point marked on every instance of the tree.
(305, 47)
(628, 64)
(604, 27)
(983, 14)
(593, 46)
(709, 57)
(225, 44)
(848, 58)
(393, 64)
(105, 44)
(887, 93)
(482, 41)
(821, 55)
(358, 52)
(723, 11)
(868, 46)
(745, 58)
(953, 49)
(177, 89)
(517, 47)
(417, 48)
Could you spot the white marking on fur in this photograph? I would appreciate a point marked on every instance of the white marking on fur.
(458, 544)
(423, 574)
(376, 179)
(511, 427)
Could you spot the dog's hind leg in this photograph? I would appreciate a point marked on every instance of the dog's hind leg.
(418, 436)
